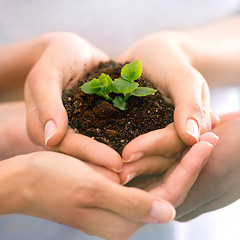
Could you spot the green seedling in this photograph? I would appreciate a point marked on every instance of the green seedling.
(124, 85)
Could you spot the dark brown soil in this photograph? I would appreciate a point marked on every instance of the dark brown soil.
(95, 117)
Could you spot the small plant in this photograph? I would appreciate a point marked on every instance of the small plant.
(124, 85)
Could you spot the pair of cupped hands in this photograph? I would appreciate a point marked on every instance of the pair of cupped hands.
(86, 182)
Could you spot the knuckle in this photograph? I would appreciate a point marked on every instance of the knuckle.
(176, 146)
(197, 107)
(89, 195)
(34, 129)
(202, 115)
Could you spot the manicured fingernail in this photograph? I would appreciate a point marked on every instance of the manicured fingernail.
(207, 154)
(116, 170)
(215, 141)
(134, 157)
(50, 129)
(192, 128)
(162, 212)
(130, 176)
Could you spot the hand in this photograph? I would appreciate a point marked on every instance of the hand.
(151, 153)
(218, 183)
(66, 58)
(14, 139)
(82, 195)
(167, 63)
(66, 190)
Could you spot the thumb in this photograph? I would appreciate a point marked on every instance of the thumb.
(68, 57)
(136, 204)
(47, 119)
(192, 115)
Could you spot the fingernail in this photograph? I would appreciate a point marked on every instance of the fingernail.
(207, 154)
(134, 157)
(130, 176)
(116, 170)
(162, 212)
(50, 129)
(215, 141)
(192, 128)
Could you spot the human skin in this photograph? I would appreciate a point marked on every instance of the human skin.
(182, 64)
(34, 184)
(59, 60)
(218, 183)
(14, 139)
(221, 171)
(196, 35)
(54, 60)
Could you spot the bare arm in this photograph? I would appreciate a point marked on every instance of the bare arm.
(215, 51)
(17, 59)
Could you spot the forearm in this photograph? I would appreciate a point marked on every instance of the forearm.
(17, 59)
(214, 50)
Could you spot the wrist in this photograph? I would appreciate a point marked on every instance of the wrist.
(12, 175)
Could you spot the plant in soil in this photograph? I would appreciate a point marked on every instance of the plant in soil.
(125, 85)
(95, 105)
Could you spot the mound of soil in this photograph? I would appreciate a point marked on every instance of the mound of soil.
(95, 117)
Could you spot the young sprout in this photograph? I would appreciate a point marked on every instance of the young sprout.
(124, 85)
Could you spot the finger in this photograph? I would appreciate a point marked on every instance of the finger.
(215, 119)
(192, 110)
(50, 75)
(155, 164)
(90, 150)
(143, 181)
(163, 142)
(176, 185)
(134, 204)
(209, 137)
(113, 176)
(47, 119)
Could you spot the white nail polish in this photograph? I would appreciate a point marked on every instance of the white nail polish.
(134, 157)
(130, 176)
(50, 129)
(192, 128)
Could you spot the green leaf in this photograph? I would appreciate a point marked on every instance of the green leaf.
(87, 88)
(105, 81)
(95, 85)
(132, 71)
(143, 91)
(122, 86)
(119, 103)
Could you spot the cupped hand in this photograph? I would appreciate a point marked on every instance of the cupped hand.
(66, 190)
(66, 58)
(168, 64)
(218, 183)
(154, 153)
(151, 153)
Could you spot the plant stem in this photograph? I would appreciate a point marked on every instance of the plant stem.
(126, 96)
(105, 96)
